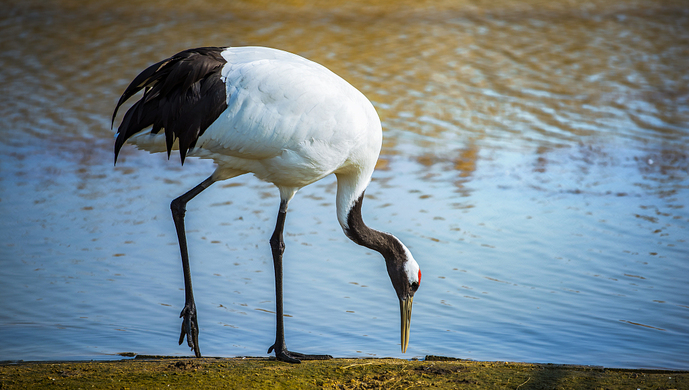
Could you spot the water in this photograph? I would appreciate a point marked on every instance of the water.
(534, 161)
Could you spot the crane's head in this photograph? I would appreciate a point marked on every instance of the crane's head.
(405, 276)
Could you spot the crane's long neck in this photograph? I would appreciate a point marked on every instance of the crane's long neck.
(361, 234)
(350, 196)
(402, 268)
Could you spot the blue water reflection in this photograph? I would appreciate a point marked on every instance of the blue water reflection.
(534, 162)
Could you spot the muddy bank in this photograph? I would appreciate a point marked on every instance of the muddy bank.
(151, 372)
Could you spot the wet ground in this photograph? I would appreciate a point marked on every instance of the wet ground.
(252, 373)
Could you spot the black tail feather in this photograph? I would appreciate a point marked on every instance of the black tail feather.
(183, 94)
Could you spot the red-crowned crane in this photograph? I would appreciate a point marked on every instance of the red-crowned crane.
(287, 120)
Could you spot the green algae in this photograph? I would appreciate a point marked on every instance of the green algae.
(263, 373)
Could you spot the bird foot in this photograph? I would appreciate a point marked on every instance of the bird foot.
(190, 328)
(284, 355)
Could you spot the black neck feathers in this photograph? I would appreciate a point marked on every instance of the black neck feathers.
(357, 231)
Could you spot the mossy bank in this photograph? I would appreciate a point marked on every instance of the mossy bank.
(262, 373)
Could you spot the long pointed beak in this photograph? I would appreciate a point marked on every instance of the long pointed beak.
(405, 314)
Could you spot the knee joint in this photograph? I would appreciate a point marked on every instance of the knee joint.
(277, 245)
(178, 208)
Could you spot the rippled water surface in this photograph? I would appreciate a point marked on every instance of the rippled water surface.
(534, 161)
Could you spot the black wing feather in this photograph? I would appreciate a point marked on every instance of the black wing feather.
(183, 95)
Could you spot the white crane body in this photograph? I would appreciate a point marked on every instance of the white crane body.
(287, 120)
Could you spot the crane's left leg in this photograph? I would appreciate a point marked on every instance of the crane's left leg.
(190, 325)
(277, 245)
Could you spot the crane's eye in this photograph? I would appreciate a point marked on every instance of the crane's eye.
(414, 286)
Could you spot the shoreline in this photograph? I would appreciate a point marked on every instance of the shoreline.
(146, 371)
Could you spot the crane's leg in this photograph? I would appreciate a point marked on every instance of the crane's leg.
(277, 245)
(190, 325)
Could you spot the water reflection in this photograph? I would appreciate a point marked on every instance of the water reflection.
(534, 158)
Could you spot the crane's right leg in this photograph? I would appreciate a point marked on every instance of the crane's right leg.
(190, 325)
(277, 245)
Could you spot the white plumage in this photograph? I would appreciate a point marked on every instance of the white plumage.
(287, 120)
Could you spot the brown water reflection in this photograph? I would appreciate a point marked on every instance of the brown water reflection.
(535, 154)
(554, 71)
